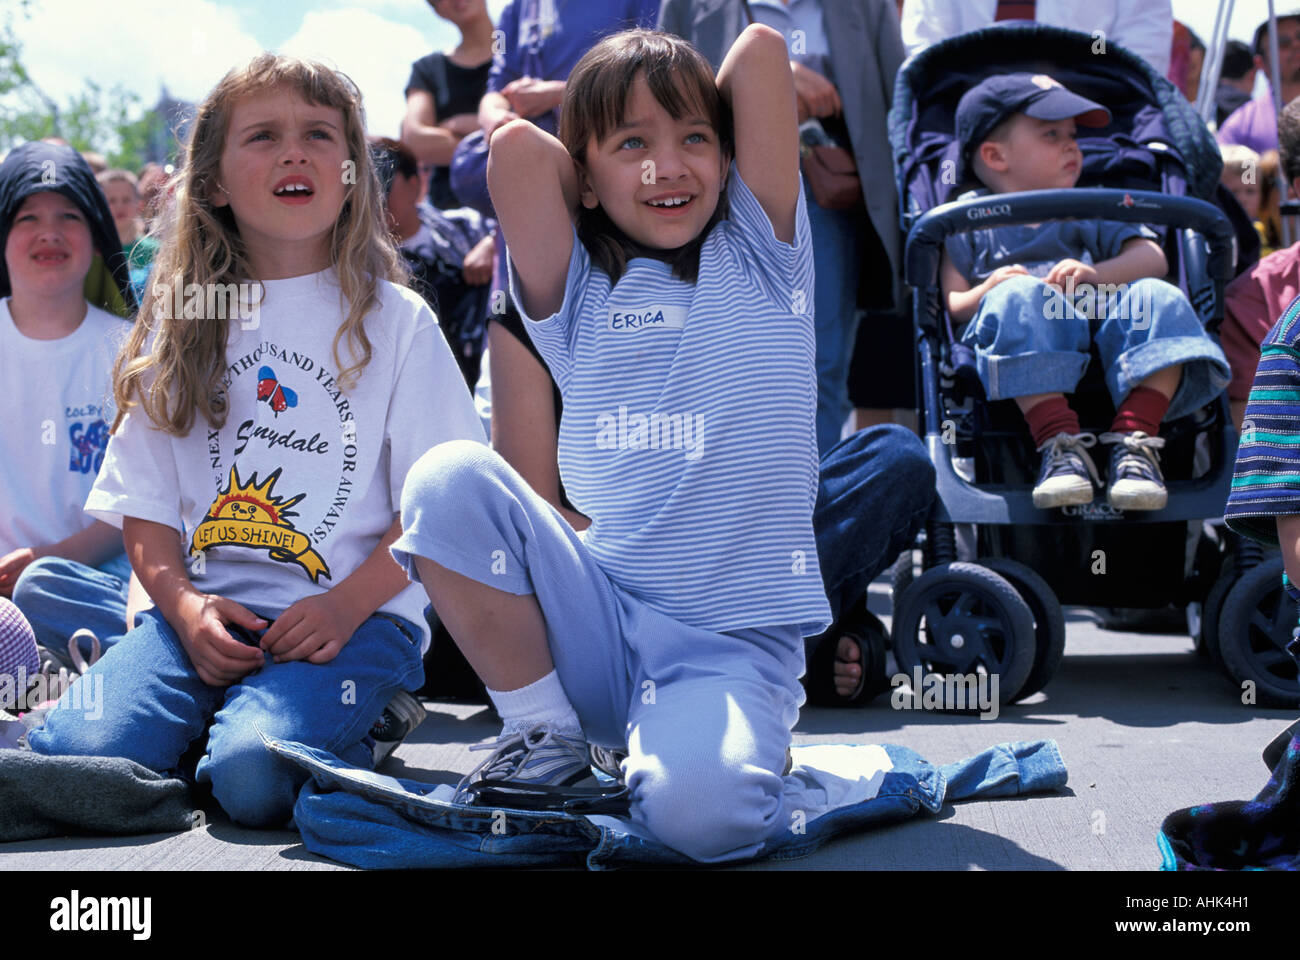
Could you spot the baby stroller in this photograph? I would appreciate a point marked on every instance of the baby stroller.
(1155, 164)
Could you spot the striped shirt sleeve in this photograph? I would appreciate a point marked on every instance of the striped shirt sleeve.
(1266, 479)
(784, 271)
(555, 336)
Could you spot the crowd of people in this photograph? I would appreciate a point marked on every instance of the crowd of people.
(650, 249)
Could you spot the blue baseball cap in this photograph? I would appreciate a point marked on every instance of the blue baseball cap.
(1037, 95)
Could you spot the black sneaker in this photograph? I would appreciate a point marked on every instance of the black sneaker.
(1068, 475)
(1135, 480)
(402, 715)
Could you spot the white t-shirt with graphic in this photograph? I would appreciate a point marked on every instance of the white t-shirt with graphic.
(298, 486)
(58, 408)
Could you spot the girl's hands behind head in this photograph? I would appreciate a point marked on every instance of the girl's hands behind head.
(314, 629)
(219, 658)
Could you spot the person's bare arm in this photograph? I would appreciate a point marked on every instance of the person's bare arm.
(136, 599)
(91, 546)
(1138, 258)
(534, 189)
(524, 430)
(494, 111)
(316, 628)
(199, 619)
(1288, 536)
(430, 141)
(755, 80)
(961, 299)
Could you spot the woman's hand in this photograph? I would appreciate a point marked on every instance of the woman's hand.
(477, 268)
(530, 97)
(219, 658)
(314, 629)
(817, 95)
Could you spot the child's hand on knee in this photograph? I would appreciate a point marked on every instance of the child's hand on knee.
(314, 629)
(219, 658)
(1080, 271)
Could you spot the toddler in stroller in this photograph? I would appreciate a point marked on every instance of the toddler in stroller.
(1038, 295)
(973, 609)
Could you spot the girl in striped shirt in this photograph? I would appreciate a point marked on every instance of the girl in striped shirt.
(660, 254)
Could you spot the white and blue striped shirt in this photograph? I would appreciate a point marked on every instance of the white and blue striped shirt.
(687, 433)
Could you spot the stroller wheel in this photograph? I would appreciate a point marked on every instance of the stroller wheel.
(964, 619)
(1207, 638)
(1049, 621)
(901, 576)
(1254, 630)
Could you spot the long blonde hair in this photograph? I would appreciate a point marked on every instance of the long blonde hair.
(181, 375)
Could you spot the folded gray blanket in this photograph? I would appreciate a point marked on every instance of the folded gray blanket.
(56, 796)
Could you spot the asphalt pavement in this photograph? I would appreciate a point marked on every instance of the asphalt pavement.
(1144, 724)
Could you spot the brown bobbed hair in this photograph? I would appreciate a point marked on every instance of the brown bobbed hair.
(595, 99)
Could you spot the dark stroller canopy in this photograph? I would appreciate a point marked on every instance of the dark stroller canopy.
(38, 166)
(1155, 137)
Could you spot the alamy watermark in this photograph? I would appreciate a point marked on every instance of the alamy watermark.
(1117, 301)
(933, 691)
(656, 431)
(209, 301)
(20, 692)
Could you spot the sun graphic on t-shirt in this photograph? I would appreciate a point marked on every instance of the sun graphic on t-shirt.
(248, 514)
(252, 502)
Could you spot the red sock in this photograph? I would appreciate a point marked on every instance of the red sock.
(1142, 409)
(1050, 417)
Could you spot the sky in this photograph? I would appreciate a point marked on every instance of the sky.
(188, 44)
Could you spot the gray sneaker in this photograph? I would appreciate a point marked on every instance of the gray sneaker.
(608, 761)
(537, 757)
(1068, 475)
(402, 715)
(1135, 479)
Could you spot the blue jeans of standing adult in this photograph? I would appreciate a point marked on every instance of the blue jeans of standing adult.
(1028, 339)
(151, 705)
(873, 493)
(60, 597)
(837, 247)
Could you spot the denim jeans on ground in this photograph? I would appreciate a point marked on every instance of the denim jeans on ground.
(60, 597)
(1029, 340)
(370, 820)
(874, 491)
(154, 705)
(837, 245)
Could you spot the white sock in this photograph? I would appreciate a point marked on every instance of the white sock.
(541, 701)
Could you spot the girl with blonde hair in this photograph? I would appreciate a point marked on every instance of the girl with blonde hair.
(277, 386)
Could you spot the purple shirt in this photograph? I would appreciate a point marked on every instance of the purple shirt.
(561, 44)
(1253, 124)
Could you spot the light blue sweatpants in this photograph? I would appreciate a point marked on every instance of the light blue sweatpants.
(706, 717)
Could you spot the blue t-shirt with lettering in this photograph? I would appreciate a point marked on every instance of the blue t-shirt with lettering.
(687, 435)
(1038, 247)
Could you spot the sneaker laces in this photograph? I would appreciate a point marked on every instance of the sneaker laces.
(511, 751)
(1140, 455)
(1065, 447)
(81, 663)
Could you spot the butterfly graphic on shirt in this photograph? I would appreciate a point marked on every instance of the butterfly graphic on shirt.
(270, 389)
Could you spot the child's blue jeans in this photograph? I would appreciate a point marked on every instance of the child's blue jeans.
(144, 701)
(1029, 340)
(59, 597)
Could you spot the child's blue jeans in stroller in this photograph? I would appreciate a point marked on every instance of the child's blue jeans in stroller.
(1029, 339)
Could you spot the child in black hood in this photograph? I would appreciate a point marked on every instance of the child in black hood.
(64, 292)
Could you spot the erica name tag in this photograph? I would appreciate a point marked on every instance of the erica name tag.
(646, 318)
